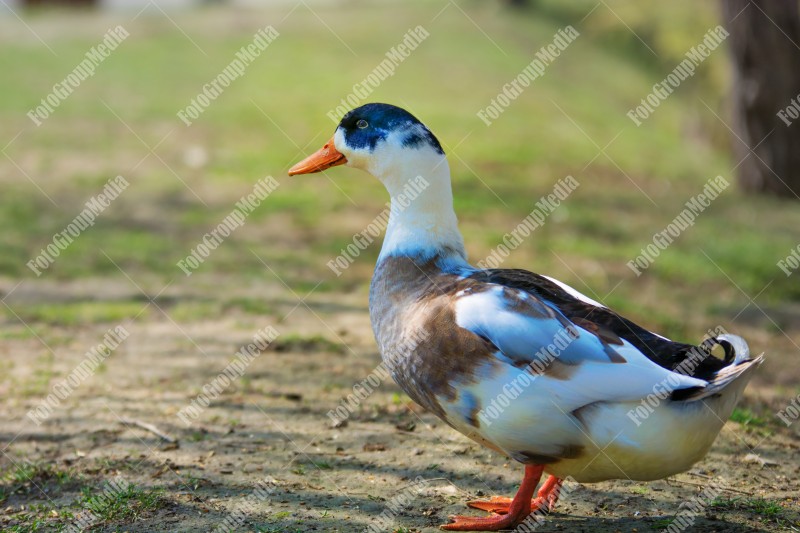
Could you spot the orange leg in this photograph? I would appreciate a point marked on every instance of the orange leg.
(547, 495)
(515, 512)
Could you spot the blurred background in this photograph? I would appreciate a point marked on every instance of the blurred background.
(572, 120)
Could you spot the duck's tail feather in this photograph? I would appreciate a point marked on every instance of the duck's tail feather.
(740, 369)
(736, 349)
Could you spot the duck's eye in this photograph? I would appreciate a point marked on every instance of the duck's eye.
(362, 124)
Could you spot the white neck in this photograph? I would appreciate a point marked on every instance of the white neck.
(422, 222)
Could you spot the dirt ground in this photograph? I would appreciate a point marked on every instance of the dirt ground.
(265, 449)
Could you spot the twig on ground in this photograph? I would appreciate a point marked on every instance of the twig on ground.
(702, 485)
(149, 427)
(437, 479)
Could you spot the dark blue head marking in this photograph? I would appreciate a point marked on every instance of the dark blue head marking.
(382, 119)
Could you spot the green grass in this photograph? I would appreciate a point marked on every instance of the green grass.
(748, 418)
(27, 475)
(763, 426)
(127, 504)
(74, 313)
(78, 312)
(661, 523)
(306, 343)
(308, 219)
(108, 505)
(254, 306)
(765, 510)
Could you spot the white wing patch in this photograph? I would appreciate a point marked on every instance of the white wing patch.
(524, 328)
(585, 299)
(574, 293)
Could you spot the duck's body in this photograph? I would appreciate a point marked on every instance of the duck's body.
(519, 362)
(577, 417)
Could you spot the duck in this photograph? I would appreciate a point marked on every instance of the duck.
(519, 362)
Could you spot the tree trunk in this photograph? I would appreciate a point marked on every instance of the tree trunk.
(766, 93)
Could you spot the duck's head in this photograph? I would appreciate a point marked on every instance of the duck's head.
(395, 147)
(385, 140)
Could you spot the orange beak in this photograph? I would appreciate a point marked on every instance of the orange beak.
(326, 157)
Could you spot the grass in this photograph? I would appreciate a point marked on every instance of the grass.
(322, 465)
(766, 510)
(254, 306)
(127, 504)
(82, 312)
(762, 426)
(661, 523)
(306, 343)
(747, 418)
(99, 505)
(499, 172)
(29, 476)
(75, 313)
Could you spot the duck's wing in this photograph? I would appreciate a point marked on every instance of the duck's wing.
(558, 374)
(581, 362)
(599, 319)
